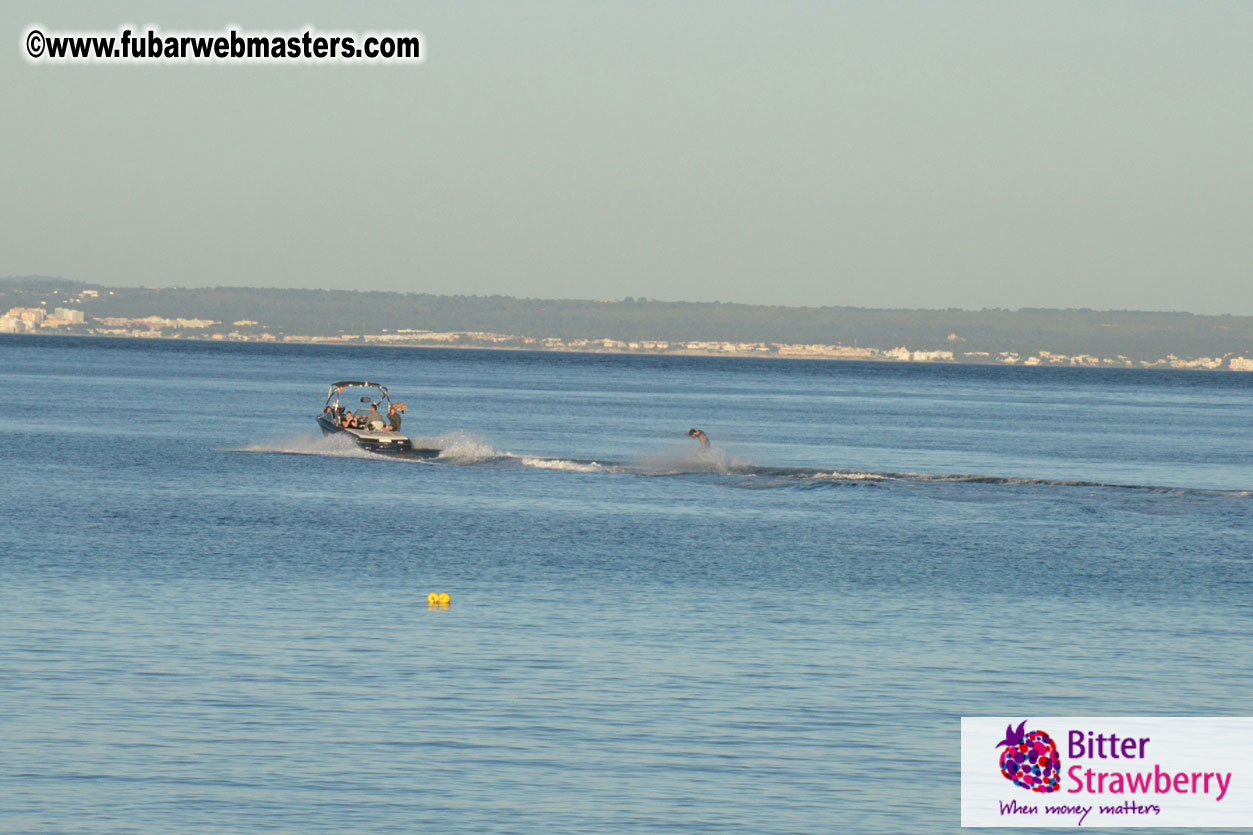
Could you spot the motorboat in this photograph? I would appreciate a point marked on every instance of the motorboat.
(360, 410)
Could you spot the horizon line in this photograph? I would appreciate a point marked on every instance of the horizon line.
(624, 300)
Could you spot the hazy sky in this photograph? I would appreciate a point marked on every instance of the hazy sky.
(924, 154)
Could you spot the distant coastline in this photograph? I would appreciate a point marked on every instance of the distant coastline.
(1085, 338)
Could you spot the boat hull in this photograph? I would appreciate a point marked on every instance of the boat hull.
(385, 442)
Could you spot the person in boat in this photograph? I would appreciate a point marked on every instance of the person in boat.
(373, 419)
(349, 420)
(700, 436)
(394, 415)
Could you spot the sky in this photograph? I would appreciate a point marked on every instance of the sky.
(878, 154)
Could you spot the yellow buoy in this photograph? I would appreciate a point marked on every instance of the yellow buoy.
(445, 598)
(432, 598)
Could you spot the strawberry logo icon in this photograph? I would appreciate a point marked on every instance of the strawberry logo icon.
(1030, 759)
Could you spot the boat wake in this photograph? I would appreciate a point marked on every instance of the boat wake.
(713, 466)
(334, 446)
(564, 464)
(711, 460)
(834, 477)
(464, 449)
(460, 448)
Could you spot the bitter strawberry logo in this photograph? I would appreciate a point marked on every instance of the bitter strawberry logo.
(1030, 760)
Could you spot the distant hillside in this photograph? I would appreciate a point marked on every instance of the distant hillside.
(1105, 333)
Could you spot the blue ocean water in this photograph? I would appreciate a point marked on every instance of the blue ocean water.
(212, 619)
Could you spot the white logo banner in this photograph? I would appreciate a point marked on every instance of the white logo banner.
(1107, 771)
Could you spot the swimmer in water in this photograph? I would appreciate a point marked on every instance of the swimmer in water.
(700, 436)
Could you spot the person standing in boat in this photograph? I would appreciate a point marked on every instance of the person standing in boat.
(394, 414)
(373, 419)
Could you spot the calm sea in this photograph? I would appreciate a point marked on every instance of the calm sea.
(213, 620)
